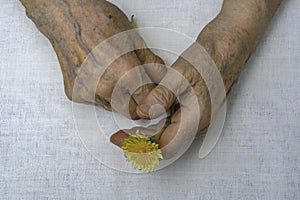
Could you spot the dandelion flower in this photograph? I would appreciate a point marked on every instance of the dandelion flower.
(142, 152)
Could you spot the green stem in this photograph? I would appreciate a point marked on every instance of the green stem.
(157, 137)
(133, 23)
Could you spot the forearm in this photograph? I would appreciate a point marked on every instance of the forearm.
(234, 34)
(230, 39)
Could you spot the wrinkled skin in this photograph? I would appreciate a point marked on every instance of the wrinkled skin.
(75, 28)
(230, 39)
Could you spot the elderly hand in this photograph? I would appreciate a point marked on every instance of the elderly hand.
(75, 28)
(229, 40)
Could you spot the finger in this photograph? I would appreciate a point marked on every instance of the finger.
(135, 79)
(172, 85)
(135, 82)
(153, 64)
(171, 130)
(122, 102)
(138, 80)
(157, 69)
(115, 72)
(159, 96)
(149, 131)
(178, 136)
(118, 138)
(132, 109)
(184, 125)
(174, 137)
(139, 85)
(176, 81)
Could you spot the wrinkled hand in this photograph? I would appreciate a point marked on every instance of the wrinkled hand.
(75, 28)
(229, 40)
(184, 83)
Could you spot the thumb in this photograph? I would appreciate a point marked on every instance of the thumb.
(153, 64)
(172, 85)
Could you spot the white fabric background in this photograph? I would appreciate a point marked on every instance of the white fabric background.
(257, 157)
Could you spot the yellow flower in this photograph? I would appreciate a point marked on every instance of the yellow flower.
(142, 152)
